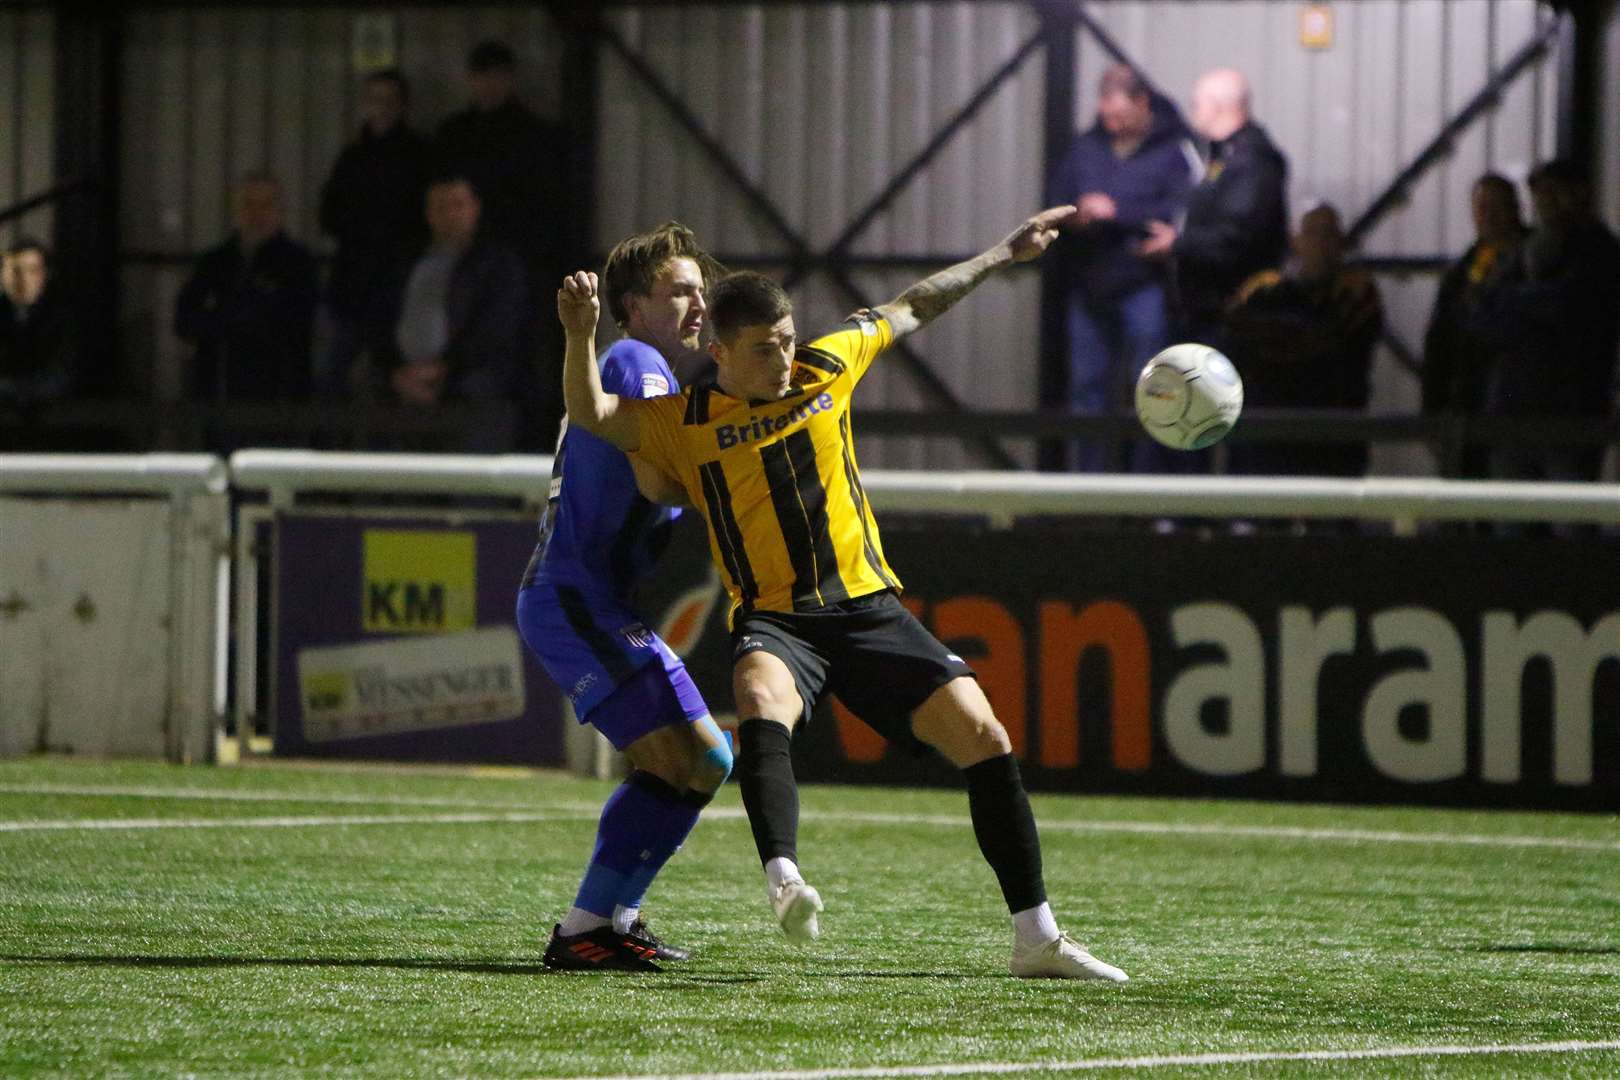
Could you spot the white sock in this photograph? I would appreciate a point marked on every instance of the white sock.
(578, 921)
(781, 870)
(1034, 926)
(623, 917)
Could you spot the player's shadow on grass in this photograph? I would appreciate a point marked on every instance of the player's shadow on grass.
(473, 967)
(1555, 947)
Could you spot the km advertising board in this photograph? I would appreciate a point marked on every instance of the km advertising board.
(1445, 670)
(395, 638)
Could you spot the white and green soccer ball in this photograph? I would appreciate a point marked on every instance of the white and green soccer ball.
(1189, 396)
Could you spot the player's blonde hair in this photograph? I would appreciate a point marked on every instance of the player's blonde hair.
(635, 261)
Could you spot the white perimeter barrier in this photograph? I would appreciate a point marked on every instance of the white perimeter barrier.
(283, 475)
(110, 572)
(110, 633)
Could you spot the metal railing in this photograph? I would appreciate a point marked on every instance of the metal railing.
(145, 426)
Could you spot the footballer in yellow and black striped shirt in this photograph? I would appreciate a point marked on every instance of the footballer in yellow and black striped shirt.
(775, 476)
(763, 449)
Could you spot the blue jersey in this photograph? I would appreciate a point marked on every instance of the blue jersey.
(598, 533)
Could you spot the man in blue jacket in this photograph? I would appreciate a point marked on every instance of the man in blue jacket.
(1134, 165)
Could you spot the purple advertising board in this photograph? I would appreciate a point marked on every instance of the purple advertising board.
(394, 638)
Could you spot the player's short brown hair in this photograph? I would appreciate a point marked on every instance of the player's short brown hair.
(744, 299)
(635, 261)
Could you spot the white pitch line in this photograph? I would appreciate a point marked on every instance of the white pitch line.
(1144, 828)
(277, 822)
(1267, 832)
(1158, 1061)
(334, 798)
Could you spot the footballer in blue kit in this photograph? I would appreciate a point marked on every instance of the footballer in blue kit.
(599, 534)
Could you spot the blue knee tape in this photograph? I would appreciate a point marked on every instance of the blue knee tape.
(718, 756)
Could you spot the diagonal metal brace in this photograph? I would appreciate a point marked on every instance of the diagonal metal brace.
(762, 202)
(1486, 99)
(947, 131)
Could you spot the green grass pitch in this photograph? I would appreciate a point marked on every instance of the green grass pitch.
(377, 923)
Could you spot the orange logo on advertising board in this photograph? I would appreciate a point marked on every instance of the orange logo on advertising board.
(1000, 661)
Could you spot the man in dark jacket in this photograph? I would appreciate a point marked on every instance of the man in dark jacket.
(249, 306)
(1557, 319)
(517, 162)
(462, 326)
(1304, 338)
(1237, 216)
(372, 205)
(520, 166)
(1457, 362)
(38, 345)
(1134, 165)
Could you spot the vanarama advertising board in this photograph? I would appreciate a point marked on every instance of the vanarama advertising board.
(1432, 670)
(1444, 669)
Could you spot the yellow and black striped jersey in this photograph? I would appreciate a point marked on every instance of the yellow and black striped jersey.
(789, 524)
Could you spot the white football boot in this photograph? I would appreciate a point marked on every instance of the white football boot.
(1062, 958)
(797, 906)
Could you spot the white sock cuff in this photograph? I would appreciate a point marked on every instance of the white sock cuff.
(780, 870)
(1035, 926)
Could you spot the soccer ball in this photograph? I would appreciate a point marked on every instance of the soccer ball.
(1189, 396)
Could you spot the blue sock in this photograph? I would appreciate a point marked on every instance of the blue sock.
(644, 822)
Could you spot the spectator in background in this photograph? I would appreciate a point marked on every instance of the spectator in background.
(1237, 215)
(1304, 339)
(1134, 165)
(517, 162)
(249, 306)
(1456, 361)
(1555, 325)
(520, 166)
(463, 320)
(39, 362)
(1236, 224)
(372, 206)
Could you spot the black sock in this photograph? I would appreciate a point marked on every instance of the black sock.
(1005, 829)
(697, 799)
(769, 792)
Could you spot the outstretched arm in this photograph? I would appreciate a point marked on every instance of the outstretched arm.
(605, 415)
(933, 296)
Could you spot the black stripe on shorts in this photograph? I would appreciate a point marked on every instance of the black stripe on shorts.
(601, 642)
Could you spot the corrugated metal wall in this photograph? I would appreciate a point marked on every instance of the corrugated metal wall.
(27, 109)
(1609, 111)
(854, 91)
(820, 104)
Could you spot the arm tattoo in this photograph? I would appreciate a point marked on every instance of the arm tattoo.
(934, 295)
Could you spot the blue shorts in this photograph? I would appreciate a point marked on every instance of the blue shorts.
(619, 676)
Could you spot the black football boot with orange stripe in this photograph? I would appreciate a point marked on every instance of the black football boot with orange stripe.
(643, 933)
(602, 949)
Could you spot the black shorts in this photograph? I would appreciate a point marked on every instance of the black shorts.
(870, 651)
